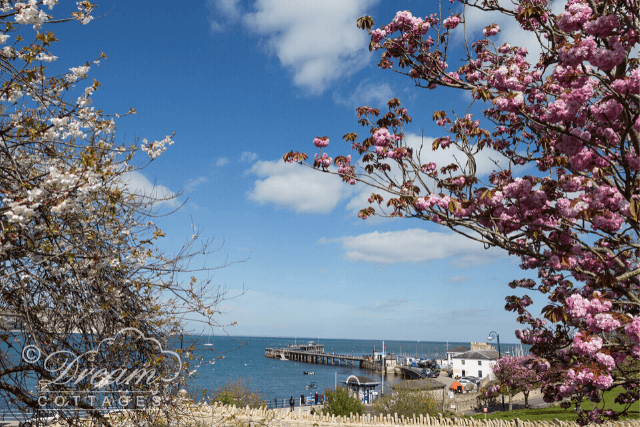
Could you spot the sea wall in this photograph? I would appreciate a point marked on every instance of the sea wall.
(232, 416)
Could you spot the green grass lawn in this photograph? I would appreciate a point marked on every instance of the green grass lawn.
(559, 413)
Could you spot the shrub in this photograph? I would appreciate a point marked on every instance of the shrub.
(238, 393)
(339, 402)
(407, 403)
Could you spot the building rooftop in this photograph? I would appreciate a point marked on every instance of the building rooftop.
(458, 349)
(361, 380)
(478, 354)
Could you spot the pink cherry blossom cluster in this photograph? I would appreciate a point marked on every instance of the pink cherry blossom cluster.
(346, 170)
(321, 142)
(451, 22)
(491, 30)
(575, 15)
(577, 306)
(323, 161)
(573, 120)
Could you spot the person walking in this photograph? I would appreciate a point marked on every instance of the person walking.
(302, 399)
(291, 403)
(316, 397)
(275, 402)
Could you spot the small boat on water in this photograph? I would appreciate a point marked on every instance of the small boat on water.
(308, 373)
(208, 343)
(282, 356)
(212, 362)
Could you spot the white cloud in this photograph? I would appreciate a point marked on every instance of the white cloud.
(366, 93)
(317, 40)
(416, 246)
(248, 156)
(138, 184)
(457, 279)
(484, 161)
(296, 187)
(510, 30)
(193, 183)
(221, 13)
(222, 161)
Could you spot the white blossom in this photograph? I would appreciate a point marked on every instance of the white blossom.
(30, 14)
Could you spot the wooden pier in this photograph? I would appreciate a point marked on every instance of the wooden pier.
(314, 355)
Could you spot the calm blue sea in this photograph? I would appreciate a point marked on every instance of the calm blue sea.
(244, 359)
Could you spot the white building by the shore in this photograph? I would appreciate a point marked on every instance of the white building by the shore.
(477, 362)
(454, 352)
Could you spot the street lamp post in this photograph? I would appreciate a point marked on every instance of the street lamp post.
(493, 335)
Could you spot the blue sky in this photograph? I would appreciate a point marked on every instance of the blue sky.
(243, 82)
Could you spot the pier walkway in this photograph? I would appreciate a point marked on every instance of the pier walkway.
(314, 356)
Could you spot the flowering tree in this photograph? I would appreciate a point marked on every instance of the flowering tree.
(572, 117)
(78, 264)
(515, 375)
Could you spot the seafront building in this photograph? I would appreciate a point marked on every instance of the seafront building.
(476, 362)
(454, 352)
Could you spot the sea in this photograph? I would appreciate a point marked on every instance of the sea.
(243, 359)
(229, 359)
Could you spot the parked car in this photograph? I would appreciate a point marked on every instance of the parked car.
(472, 379)
(433, 374)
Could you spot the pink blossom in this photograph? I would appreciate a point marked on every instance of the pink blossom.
(518, 188)
(611, 222)
(606, 110)
(451, 22)
(571, 145)
(606, 59)
(430, 167)
(404, 18)
(378, 35)
(575, 15)
(582, 160)
(566, 390)
(635, 352)
(602, 322)
(574, 55)
(554, 262)
(606, 197)
(633, 161)
(382, 138)
(491, 30)
(585, 376)
(606, 360)
(558, 111)
(324, 161)
(598, 305)
(422, 204)
(603, 26)
(321, 141)
(603, 381)
(632, 330)
(576, 306)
